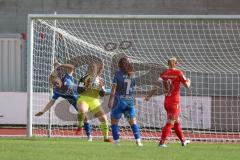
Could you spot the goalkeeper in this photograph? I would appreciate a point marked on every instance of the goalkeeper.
(64, 87)
(92, 89)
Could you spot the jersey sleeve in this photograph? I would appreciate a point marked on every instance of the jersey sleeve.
(68, 80)
(55, 96)
(182, 77)
(161, 77)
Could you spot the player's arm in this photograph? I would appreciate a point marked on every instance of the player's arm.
(137, 92)
(111, 97)
(154, 90)
(46, 108)
(186, 82)
(113, 90)
(81, 85)
(102, 91)
(86, 80)
(85, 83)
(70, 68)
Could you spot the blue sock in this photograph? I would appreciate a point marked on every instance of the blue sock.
(135, 131)
(88, 128)
(115, 131)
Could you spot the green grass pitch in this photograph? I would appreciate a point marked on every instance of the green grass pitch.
(74, 149)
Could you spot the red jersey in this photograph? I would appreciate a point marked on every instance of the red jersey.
(171, 83)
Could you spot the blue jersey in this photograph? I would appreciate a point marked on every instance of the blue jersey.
(67, 91)
(123, 101)
(125, 84)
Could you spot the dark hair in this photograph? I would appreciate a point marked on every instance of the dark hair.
(125, 65)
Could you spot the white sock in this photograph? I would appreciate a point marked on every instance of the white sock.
(117, 141)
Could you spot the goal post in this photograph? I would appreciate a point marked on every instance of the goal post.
(207, 48)
(29, 76)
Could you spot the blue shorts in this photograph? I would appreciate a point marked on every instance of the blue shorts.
(71, 99)
(73, 102)
(123, 106)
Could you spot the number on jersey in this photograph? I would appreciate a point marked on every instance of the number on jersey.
(128, 85)
(169, 87)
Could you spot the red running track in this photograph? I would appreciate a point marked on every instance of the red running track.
(208, 137)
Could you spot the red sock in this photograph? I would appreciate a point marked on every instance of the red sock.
(178, 131)
(165, 132)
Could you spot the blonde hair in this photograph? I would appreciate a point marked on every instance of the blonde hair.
(171, 60)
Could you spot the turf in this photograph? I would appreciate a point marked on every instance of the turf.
(73, 149)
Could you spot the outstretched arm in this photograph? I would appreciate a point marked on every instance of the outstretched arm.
(112, 94)
(187, 83)
(70, 68)
(102, 91)
(47, 107)
(138, 93)
(154, 90)
(151, 93)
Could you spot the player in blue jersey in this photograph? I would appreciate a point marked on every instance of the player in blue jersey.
(65, 87)
(122, 100)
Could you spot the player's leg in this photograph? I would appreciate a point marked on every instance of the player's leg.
(104, 125)
(88, 129)
(136, 131)
(86, 124)
(131, 114)
(115, 130)
(166, 132)
(169, 124)
(179, 133)
(116, 114)
(178, 128)
(82, 109)
(95, 108)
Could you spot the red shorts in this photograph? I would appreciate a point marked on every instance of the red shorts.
(172, 110)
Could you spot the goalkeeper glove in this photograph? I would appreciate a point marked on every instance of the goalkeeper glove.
(102, 93)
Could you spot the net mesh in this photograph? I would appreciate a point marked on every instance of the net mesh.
(207, 51)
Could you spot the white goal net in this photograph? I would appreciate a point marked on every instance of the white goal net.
(207, 49)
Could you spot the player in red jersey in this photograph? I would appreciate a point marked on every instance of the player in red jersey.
(171, 79)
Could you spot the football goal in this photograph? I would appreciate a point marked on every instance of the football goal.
(207, 49)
